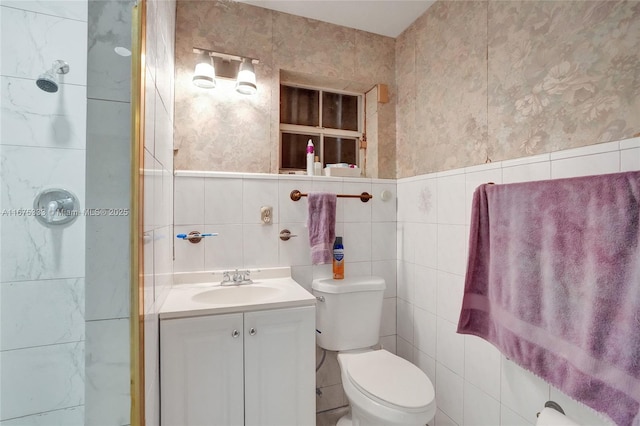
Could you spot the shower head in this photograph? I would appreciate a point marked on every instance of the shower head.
(49, 80)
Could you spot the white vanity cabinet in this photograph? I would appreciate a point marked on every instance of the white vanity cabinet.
(201, 371)
(251, 368)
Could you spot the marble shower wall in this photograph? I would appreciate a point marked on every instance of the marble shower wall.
(108, 252)
(42, 270)
(158, 187)
(220, 130)
(497, 80)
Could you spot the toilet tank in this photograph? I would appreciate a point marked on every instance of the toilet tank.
(349, 311)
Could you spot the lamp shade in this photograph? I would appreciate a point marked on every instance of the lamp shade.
(205, 75)
(246, 82)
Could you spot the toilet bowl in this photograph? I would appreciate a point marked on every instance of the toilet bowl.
(382, 388)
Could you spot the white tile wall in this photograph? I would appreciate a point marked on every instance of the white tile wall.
(231, 206)
(630, 154)
(426, 290)
(223, 251)
(449, 393)
(31, 117)
(43, 312)
(107, 387)
(387, 270)
(451, 199)
(421, 252)
(108, 373)
(73, 416)
(585, 165)
(38, 252)
(425, 333)
(159, 201)
(521, 391)
(42, 378)
(449, 346)
(73, 10)
(483, 409)
(189, 193)
(34, 41)
(509, 417)
(109, 74)
(482, 365)
(474, 383)
(42, 145)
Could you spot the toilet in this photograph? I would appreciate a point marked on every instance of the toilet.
(382, 388)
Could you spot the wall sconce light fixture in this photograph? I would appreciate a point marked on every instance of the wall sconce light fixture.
(205, 74)
(212, 65)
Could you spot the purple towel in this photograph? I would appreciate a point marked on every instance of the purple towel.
(553, 281)
(322, 226)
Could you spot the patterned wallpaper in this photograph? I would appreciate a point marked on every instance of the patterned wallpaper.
(470, 81)
(222, 131)
(496, 80)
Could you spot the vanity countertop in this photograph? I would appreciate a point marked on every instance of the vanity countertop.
(200, 293)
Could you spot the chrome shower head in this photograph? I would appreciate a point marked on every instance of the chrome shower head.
(49, 80)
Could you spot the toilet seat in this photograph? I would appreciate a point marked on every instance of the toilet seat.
(390, 380)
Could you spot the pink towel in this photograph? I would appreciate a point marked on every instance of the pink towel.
(553, 281)
(322, 226)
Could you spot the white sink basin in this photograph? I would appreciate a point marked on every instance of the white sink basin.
(236, 295)
(195, 294)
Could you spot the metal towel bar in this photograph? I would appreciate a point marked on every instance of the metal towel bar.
(364, 197)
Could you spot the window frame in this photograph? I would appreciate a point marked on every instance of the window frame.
(319, 130)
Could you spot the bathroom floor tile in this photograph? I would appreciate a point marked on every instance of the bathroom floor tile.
(330, 417)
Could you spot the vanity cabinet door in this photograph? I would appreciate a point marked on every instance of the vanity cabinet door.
(279, 354)
(201, 370)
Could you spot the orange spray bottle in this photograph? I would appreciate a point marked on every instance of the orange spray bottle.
(338, 259)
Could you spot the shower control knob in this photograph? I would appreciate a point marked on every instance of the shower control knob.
(235, 334)
(55, 207)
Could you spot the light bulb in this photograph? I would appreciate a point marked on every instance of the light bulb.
(246, 78)
(205, 75)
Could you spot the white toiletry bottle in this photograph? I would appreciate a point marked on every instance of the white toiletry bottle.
(317, 167)
(310, 158)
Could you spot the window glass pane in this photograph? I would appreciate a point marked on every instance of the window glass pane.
(339, 150)
(299, 106)
(339, 111)
(293, 151)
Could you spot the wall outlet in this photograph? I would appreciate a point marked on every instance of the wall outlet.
(266, 215)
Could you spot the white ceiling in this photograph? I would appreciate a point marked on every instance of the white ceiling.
(385, 17)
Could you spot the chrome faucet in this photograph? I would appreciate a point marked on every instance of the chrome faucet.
(236, 277)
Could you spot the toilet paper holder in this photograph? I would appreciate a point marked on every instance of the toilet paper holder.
(554, 405)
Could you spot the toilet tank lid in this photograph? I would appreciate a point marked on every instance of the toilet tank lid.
(349, 284)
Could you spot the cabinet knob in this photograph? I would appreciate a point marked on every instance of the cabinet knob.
(235, 333)
(253, 331)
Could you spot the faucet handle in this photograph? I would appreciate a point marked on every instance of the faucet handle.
(246, 276)
(237, 276)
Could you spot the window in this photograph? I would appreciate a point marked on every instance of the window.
(331, 119)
